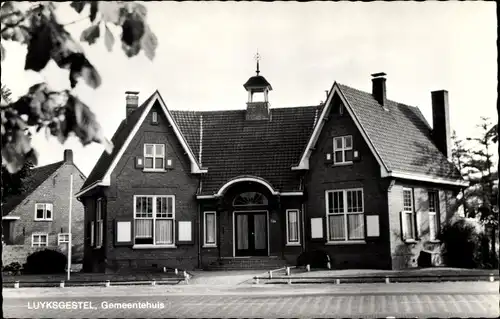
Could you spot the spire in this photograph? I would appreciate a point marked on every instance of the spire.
(257, 58)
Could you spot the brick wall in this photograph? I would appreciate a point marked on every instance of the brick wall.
(127, 181)
(405, 255)
(19, 253)
(54, 190)
(365, 174)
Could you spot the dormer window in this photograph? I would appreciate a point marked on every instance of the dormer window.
(342, 150)
(154, 117)
(154, 156)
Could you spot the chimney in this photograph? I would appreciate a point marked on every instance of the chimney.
(441, 121)
(379, 91)
(68, 156)
(132, 99)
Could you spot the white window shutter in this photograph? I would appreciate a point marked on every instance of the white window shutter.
(92, 232)
(404, 226)
(419, 222)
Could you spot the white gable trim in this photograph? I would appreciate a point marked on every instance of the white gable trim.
(195, 168)
(304, 160)
(11, 217)
(88, 188)
(246, 179)
(425, 178)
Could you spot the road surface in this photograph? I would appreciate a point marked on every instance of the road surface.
(423, 300)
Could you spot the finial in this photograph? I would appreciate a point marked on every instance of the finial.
(257, 58)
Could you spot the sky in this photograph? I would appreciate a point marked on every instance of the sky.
(206, 52)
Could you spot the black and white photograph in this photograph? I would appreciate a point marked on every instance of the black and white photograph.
(253, 159)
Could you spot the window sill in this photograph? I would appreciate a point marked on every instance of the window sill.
(293, 244)
(154, 170)
(43, 220)
(209, 246)
(345, 242)
(435, 241)
(154, 247)
(410, 241)
(342, 164)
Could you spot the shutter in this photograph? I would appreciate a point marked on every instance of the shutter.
(329, 158)
(418, 224)
(404, 226)
(184, 232)
(139, 162)
(169, 163)
(92, 234)
(123, 232)
(355, 156)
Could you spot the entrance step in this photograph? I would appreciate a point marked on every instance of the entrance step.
(248, 263)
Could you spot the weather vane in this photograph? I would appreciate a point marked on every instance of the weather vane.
(257, 58)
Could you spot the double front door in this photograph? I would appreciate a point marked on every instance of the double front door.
(250, 233)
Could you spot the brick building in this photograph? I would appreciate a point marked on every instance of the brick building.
(362, 177)
(38, 218)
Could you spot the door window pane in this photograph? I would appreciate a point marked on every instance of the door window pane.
(260, 231)
(242, 231)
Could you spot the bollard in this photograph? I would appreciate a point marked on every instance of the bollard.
(16, 284)
(107, 283)
(289, 281)
(492, 278)
(328, 265)
(256, 280)
(337, 281)
(270, 274)
(176, 271)
(164, 269)
(288, 271)
(186, 277)
(308, 267)
(61, 284)
(387, 281)
(153, 283)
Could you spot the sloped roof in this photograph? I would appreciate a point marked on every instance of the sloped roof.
(235, 147)
(34, 178)
(401, 136)
(118, 139)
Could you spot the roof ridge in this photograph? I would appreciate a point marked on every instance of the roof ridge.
(368, 93)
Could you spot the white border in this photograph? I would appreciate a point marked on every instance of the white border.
(294, 243)
(345, 241)
(205, 244)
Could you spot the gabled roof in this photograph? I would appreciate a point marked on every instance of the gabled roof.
(34, 178)
(399, 137)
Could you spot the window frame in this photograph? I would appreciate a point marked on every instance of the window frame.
(44, 218)
(39, 242)
(405, 212)
(342, 149)
(154, 157)
(154, 218)
(205, 242)
(287, 219)
(345, 213)
(433, 214)
(99, 231)
(59, 241)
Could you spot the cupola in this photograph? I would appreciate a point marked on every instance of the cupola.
(257, 85)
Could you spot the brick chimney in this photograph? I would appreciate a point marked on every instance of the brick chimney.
(441, 122)
(68, 156)
(379, 91)
(132, 101)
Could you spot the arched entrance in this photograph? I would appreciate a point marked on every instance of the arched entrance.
(250, 224)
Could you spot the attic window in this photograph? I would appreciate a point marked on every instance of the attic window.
(250, 199)
(154, 117)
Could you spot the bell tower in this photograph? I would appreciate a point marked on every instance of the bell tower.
(257, 85)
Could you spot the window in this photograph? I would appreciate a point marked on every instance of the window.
(154, 117)
(43, 211)
(62, 238)
(250, 199)
(154, 156)
(292, 227)
(154, 220)
(210, 229)
(38, 240)
(342, 150)
(408, 215)
(345, 215)
(99, 223)
(92, 234)
(433, 214)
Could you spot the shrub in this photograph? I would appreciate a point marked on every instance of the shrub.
(13, 268)
(464, 244)
(315, 258)
(45, 262)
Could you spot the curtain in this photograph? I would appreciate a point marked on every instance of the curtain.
(143, 228)
(242, 231)
(210, 229)
(260, 231)
(164, 231)
(356, 226)
(293, 235)
(336, 227)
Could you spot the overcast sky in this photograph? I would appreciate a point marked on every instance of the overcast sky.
(206, 51)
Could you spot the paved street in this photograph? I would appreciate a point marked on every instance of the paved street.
(362, 300)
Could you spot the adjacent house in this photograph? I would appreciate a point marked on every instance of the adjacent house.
(38, 218)
(360, 176)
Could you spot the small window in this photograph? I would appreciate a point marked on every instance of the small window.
(292, 227)
(154, 218)
(62, 238)
(408, 215)
(210, 229)
(43, 211)
(154, 118)
(39, 240)
(99, 223)
(154, 156)
(342, 150)
(433, 215)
